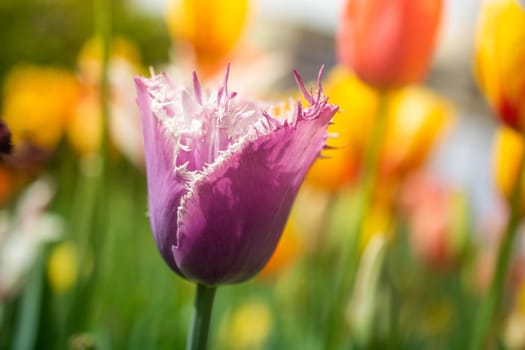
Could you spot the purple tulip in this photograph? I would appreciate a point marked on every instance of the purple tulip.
(223, 172)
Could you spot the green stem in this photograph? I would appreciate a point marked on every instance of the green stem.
(493, 298)
(200, 322)
(103, 30)
(348, 263)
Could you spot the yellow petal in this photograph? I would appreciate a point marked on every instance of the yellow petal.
(500, 58)
(417, 118)
(508, 149)
(211, 28)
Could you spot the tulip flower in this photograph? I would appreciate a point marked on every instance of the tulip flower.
(209, 29)
(37, 103)
(500, 56)
(416, 119)
(508, 150)
(223, 173)
(388, 43)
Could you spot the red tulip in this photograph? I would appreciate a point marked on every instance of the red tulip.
(388, 43)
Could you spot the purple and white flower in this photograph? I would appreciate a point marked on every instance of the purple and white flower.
(223, 172)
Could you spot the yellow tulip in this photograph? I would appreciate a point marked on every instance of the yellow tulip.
(500, 59)
(508, 149)
(351, 129)
(416, 119)
(37, 103)
(84, 129)
(210, 28)
(85, 125)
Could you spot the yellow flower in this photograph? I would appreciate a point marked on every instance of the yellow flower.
(508, 149)
(89, 60)
(500, 58)
(416, 120)
(248, 327)
(37, 103)
(84, 129)
(351, 128)
(85, 126)
(210, 28)
(62, 267)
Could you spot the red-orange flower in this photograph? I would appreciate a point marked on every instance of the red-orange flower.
(388, 43)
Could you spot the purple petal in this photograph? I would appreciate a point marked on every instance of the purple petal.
(164, 189)
(232, 217)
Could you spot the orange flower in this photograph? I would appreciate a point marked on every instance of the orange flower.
(388, 43)
(500, 57)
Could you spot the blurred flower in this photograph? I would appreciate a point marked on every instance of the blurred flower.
(22, 235)
(37, 103)
(85, 126)
(5, 139)
(208, 29)
(62, 267)
(388, 43)
(500, 56)
(248, 327)
(287, 251)
(351, 128)
(437, 219)
(223, 174)
(507, 151)
(416, 119)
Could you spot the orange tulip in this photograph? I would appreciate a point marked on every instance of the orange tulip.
(500, 57)
(388, 43)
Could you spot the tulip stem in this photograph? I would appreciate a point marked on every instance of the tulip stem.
(200, 322)
(493, 298)
(347, 265)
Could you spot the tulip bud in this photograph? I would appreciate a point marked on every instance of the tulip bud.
(500, 56)
(388, 43)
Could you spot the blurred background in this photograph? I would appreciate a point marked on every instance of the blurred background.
(79, 268)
